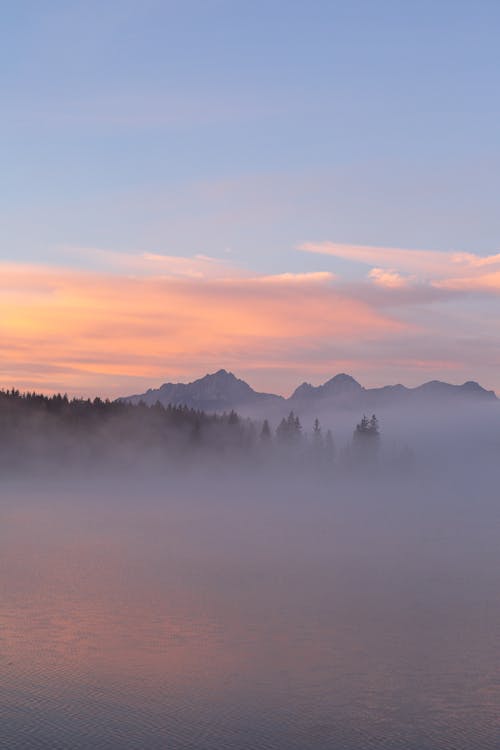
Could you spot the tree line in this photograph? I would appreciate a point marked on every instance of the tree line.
(47, 432)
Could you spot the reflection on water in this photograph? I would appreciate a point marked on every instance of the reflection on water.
(157, 617)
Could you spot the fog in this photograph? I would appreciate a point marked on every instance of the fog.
(54, 437)
(216, 589)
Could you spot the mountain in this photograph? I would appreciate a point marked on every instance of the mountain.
(342, 388)
(222, 391)
(469, 389)
(345, 392)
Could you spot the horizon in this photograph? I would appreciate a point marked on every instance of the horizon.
(284, 395)
(315, 384)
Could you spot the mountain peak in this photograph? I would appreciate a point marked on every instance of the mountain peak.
(473, 386)
(224, 376)
(342, 380)
(469, 388)
(341, 385)
(216, 391)
(340, 376)
(304, 389)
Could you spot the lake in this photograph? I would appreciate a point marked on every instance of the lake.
(210, 613)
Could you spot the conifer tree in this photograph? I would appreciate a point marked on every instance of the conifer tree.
(329, 447)
(265, 434)
(374, 426)
(318, 442)
(282, 430)
(366, 439)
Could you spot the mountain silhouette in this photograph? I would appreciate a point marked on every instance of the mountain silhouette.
(219, 391)
(223, 391)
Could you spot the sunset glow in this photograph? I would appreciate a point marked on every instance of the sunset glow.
(146, 320)
(210, 187)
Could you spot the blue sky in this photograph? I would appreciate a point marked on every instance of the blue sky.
(249, 127)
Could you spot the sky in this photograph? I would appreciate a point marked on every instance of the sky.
(284, 189)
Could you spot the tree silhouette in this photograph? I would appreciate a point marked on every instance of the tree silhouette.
(366, 440)
(233, 417)
(289, 430)
(373, 426)
(265, 433)
(317, 443)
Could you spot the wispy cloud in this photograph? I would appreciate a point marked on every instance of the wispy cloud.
(151, 264)
(479, 282)
(397, 267)
(389, 278)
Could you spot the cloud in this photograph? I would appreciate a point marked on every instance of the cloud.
(389, 278)
(152, 264)
(141, 319)
(483, 282)
(68, 329)
(298, 278)
(457, 271)
(421, 262)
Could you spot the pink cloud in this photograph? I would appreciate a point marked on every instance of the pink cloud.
(483, 282)
(146, 319)
(422, 262)
(153, 264)
(390, 266)
(389, 278)
(105, 328)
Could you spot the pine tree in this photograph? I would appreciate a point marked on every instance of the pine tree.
(364, 426)
(329, 447)
(233, 418)
(282, 430)
(265, 434)
(317, 439)
(366, 439)
(373, 426)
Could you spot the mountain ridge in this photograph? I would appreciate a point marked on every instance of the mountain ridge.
(223, 391)
(214, 391)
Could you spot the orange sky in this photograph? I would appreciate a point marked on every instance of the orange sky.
(154, 318)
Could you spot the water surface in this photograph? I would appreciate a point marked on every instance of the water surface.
(203, 615)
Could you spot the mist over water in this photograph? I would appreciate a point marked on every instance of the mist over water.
(236, 603)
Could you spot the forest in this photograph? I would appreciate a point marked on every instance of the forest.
(56, 434)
